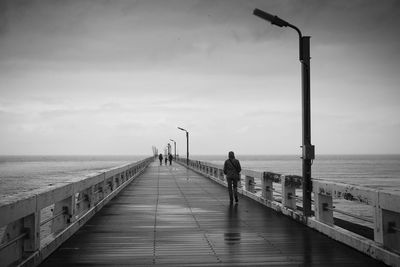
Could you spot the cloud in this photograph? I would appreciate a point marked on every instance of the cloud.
(100, 72)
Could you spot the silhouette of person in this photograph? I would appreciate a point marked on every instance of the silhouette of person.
(170, 159)
(166, 160)
(160, 157)
(232, 171)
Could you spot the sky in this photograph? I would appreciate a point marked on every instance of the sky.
(118, 77)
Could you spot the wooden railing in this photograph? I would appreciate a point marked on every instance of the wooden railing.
(35, 224)
(279, 193)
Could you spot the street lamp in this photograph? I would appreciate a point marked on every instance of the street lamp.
(187, 145)
(169, 148)
(174, 147)
(308, 153)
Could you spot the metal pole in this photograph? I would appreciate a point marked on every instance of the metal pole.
(187, 148)
(175, 150)
(308, 149)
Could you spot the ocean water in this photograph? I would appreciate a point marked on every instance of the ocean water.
(24, 173)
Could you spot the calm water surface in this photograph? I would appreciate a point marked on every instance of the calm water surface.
(23, 173)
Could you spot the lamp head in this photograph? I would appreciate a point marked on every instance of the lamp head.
(275, 20)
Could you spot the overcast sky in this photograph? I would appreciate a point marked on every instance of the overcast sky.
(117, 77)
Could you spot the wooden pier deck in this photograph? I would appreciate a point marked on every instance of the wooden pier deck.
(171, 216)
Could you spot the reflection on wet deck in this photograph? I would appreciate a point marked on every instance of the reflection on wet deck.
(170, 216)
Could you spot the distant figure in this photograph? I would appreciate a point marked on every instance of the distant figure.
(160, 157)
(166, 160)
(232, 171)
(170, 159)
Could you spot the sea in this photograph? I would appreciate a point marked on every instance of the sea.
(25, 173)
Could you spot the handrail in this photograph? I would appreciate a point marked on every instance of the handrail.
(385, 207)
(350, 214)
(77, 201)
(51, 218)
(12, 241)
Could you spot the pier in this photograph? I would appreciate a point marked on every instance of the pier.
(144, 214)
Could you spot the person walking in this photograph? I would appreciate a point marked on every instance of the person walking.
(160, 157)
(170, 159)
(166, 160)
(232, 171)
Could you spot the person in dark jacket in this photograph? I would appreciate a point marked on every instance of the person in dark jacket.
(170, 159)
(160, 157)
(232, 171)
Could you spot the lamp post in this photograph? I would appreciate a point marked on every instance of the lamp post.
(174, 148)
(169, 148)
(308, 153)
(187, 144)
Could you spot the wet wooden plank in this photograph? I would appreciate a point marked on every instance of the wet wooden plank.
(173, 217)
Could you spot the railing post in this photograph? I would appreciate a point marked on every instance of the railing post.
(288, 193)
(103, 187)
(96, 193)
(117, 179)
(267, 187)
(387, 221)
(378, 223)
(32, 228)
(14, 251)
(64, 213)
(323, 205)
(221, 174)
(249, 186)
(391, 226)
(110, 184)
(91, 196)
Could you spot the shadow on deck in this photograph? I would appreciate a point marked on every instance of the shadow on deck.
(171, 216)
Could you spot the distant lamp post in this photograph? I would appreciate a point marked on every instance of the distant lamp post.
(308, 153)
(174, 148)
(169, 148)
(187, 144)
